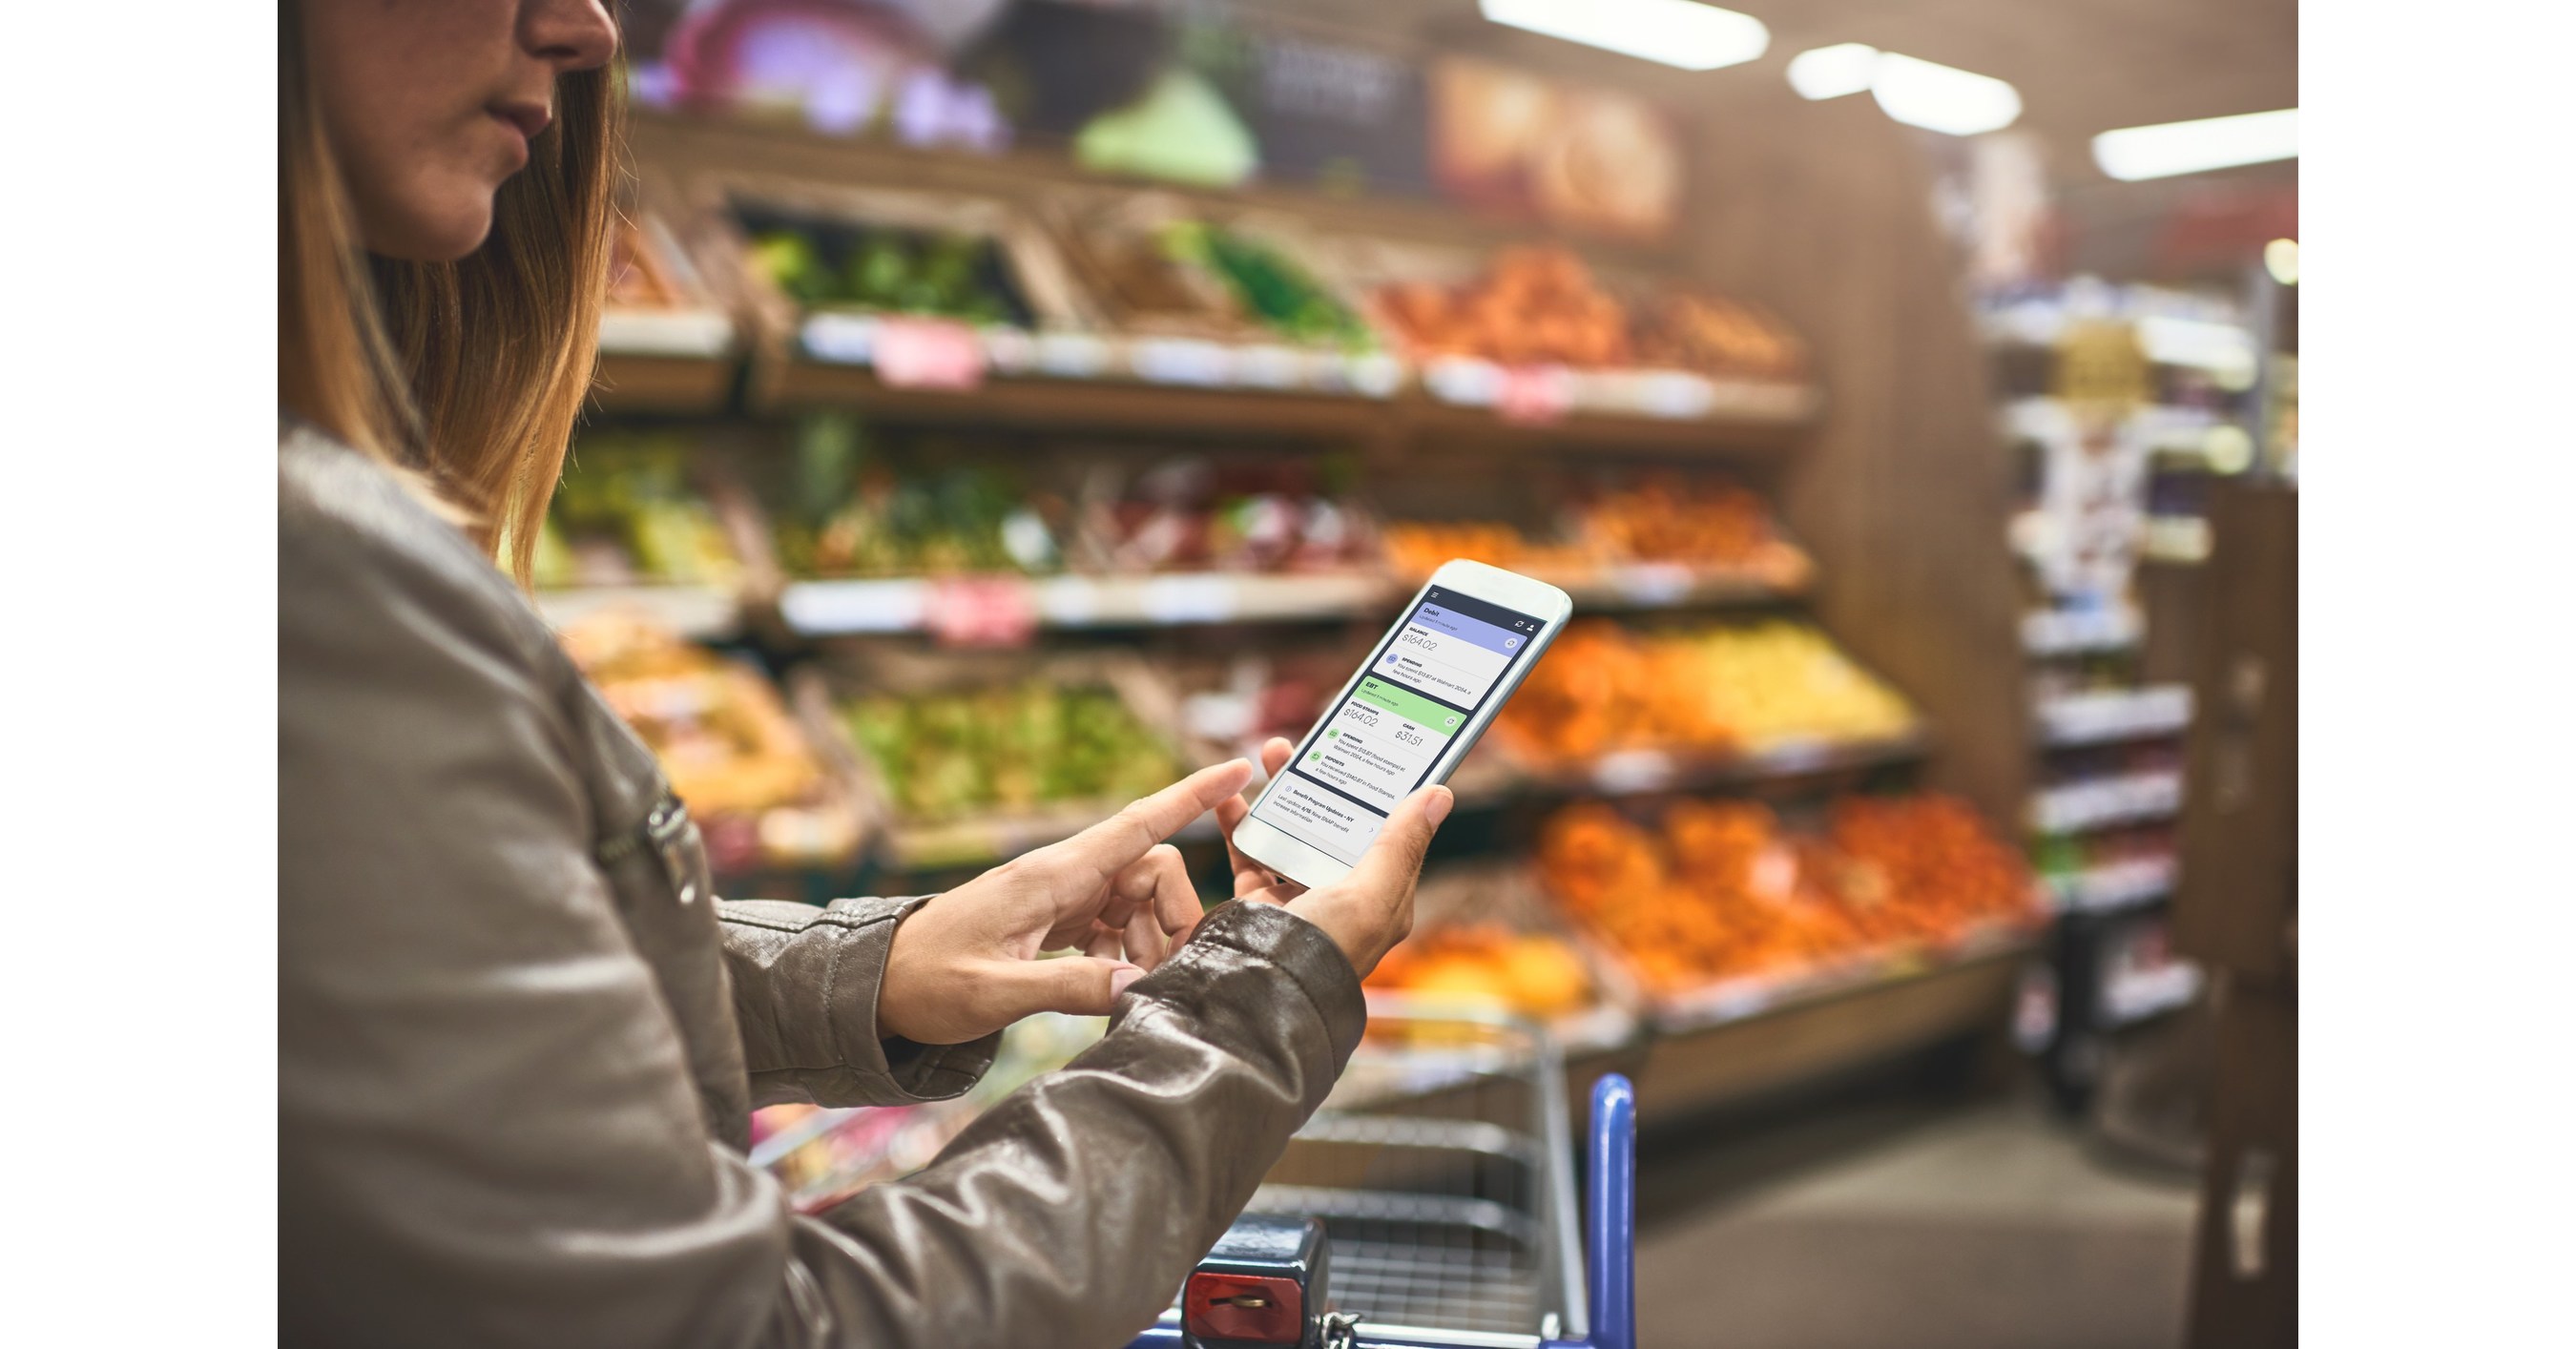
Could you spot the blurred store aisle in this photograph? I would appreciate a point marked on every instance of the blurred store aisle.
(1907, 1224)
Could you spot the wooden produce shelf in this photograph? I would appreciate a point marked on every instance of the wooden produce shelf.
(1046, 403)
(690, 611)
(1825, 1029)
(676, 384)
(986, 840)
(1039, 403)
(1632, 772)
(904, 604)
(1665, 585)
(1742, 433)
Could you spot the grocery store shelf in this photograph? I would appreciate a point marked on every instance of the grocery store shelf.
(1637, 771)
(690, 611)
(629, 382)
(2068, 632)
(1752, 419)
(704, 334)
(1208, 597)
(1733, 1000)
(834, 608)
(1752, 1039)
(1663, 585)
(877, 341)
(2114, 714)
(1172, 599)
(2113, 886)
(985, 840)
(2101, 803)
(2143, 995)
(2034, 535)
(1747, 428)
(1071, 404)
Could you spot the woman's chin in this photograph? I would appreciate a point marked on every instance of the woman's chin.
(435, 222)
(445, 238)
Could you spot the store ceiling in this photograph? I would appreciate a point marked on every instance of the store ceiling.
(2082, 66)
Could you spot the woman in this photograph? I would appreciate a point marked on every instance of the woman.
(518, 1038)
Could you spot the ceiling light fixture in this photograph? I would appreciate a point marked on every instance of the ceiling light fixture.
(1681, 33)
(2281, 259)
(1831, 72)
(1942, 98)
(2162, 151)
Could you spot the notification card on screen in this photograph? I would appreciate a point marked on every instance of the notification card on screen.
(1423, 689)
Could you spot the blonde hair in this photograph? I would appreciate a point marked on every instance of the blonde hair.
(465, 376)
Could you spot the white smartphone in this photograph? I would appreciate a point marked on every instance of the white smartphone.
(1405, 720)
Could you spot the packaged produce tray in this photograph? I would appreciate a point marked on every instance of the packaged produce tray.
(924, 287)
(972, 757)
(764, 792)
(1485, 935)
(1193, 294)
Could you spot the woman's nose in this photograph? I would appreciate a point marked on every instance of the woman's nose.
(572, 34)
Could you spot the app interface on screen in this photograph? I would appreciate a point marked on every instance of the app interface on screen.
(1420, 691)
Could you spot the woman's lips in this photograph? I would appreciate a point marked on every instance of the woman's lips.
(529, 119)
(523, 121)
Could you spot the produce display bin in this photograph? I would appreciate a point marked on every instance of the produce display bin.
(983, 834)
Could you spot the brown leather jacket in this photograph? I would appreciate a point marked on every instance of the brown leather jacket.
(518, 1037)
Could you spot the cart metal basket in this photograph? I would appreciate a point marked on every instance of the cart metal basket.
(1441, 1170)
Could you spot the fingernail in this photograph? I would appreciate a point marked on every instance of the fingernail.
(1119, 979)
(1438, 808)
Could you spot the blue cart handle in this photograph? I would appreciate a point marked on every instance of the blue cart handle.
(1610, 1219)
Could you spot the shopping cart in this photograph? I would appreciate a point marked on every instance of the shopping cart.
(1430, 1205)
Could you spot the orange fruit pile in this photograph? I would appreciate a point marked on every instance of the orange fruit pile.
(1717, 526)
(1667, 519)
(1586, 696)
(1936, 852)
(1713, 690)
(1417, 548)
(1532, 306)
(1532, 973)
(1722, 891)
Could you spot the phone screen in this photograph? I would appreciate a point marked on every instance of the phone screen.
(1421, 691)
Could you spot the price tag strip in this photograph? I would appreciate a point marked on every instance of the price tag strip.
(982, 611)
(918, 353)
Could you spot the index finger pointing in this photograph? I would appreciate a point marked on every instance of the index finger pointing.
(1110, 846)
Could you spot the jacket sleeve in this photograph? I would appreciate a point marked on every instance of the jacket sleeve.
(805, 986)
(1070, 1212)
(488, 1129)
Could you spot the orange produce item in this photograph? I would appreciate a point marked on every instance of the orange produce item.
(1532, 973)
(1722, 891)
(1666, 519)
(1532, 306)
(1418, 548)
(1583, 697)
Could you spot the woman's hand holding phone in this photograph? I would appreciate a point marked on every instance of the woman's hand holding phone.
(1366, 912)
(966, 964)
